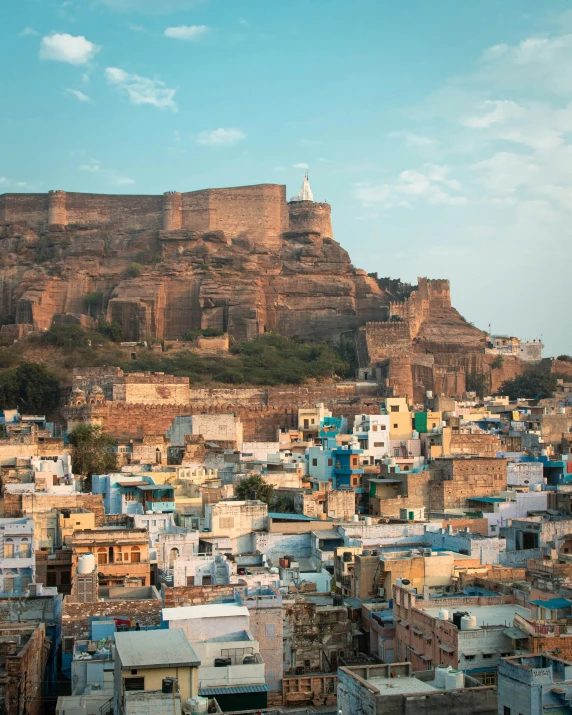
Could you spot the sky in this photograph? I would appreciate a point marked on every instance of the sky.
(440, 132)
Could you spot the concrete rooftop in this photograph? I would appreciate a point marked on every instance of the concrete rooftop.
(498, 615)
(401, 686)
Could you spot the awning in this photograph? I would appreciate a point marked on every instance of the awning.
(514, 633)
(490, 651)
(414, 650)
(404, 624)
(417, 630)
(233, 690)
(426, 657)
(447, 648)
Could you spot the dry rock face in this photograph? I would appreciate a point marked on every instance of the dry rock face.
(240, 260)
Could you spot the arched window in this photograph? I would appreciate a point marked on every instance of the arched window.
(174, 554)
(111, 555)
(8, 548)
(101, 556)
(24, 548)
(135, 555)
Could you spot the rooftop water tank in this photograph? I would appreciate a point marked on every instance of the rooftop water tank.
(368, 521)
(441, 675)
(454, 680)
(536, 488)
(444, 614)
(198, 705)
(429, 394)
(414, 435)
(355, 517)
(469, 623)
(86, 563)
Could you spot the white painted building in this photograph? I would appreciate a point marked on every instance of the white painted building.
(372, 432)
(17, 565)
(233, 519)
(213, 427)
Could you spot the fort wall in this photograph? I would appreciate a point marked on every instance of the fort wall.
(259, 212)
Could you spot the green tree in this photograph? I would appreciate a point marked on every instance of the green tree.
(565, 358)
(112, 331)
(92, 450)
(134, 270)
(530, 385)
(93, 301)
(477, 382)
(254, 487)
(30, 387)
(283, 505)
(498, 362)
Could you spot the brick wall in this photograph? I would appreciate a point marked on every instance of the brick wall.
(76, 616)
(195, 595)
(456, 480)
(22, 504)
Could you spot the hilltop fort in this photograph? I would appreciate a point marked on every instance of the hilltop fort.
(240, 260)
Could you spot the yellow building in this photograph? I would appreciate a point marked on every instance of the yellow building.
(149, 661)
(400, 418)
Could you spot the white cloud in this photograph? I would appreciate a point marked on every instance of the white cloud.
(27, 31)
(413, 139)
(301, 166)
(221, 137)
(411, 187)
(186, 32)
(7, 182)
(142, 90)
(61, 47)
(152, 7)
(80, 96)
(497, 112)
(121, 180)
(243, 22)
(92, 165)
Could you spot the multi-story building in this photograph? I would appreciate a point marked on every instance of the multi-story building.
(372, 432)
(534, 685)
(464, 632)
(24, 652)
(17, 566)
(121, 555)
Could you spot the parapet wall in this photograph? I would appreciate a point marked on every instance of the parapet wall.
(260, 211)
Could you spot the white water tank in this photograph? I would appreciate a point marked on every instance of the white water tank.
(454, 680)
(429, 394)
(198, 705)
(444, 614)
(368, 521)
(536, 488)
(468, 623)
(355, 517)
(441, 675)
(86, 563)
(414, 435)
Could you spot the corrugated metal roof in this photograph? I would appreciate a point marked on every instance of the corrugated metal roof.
(553, 603)
(233, 690)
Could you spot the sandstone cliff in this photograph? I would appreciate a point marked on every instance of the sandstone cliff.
(240, 260)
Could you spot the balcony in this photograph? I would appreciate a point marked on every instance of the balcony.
(235, 674)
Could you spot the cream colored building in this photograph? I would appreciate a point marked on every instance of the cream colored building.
(144, 659)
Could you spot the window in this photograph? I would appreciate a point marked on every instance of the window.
(381, 427)
(51, 578)
(379, 444)
(354, 461)
(134, 683)
(314, 462)
(330, 462)
(395, 425)
(134, 672)
(395, 408)
(9, 584)
(506, 711)
(488, 656)
(469, 657)
(68, 644)
(135, 558)
(374, 428)
(26, 580)
(101, 556)
(8, 549)
(65, 578)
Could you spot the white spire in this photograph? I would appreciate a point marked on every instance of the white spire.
(305, 193)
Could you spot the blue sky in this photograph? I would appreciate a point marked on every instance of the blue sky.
(439, 131)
